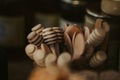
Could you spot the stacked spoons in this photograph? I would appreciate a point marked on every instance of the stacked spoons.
(74, 39)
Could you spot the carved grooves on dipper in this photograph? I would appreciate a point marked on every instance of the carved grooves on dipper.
(35, 37)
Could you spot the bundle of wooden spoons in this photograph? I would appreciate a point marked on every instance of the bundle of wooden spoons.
(78, 43)
(74, 40)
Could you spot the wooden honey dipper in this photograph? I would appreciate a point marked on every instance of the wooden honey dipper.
(98, 34)
(38, 29)
(50, 38)
(34, 38)
(98, 59)
(59, 33)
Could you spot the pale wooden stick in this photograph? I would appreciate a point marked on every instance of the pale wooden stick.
(50, 60)
(38, 57)
(30, 49)
(63, 59)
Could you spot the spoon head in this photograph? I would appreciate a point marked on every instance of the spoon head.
(68, 42)
(72, 29)
(78, 46)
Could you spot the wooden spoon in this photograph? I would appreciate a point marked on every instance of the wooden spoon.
(78, 46)
(86, 33)
(68, 42)
(73, 40)
(71, 29)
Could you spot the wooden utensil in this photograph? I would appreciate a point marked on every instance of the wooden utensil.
(89, 49)
(50, 38)
(98, 59)
(98, 23)
(78, 46)
(65, 26)
(73, 40)
(38, 29)
(30, 49)
(39, 57)
(59, 33)
(45, 48)
(63, 59)
(35, 39)
(68, 42)
(86, 33)
(96, 37)
(71, 29)
(50, 60)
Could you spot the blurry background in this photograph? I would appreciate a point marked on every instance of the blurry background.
(17, 17)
